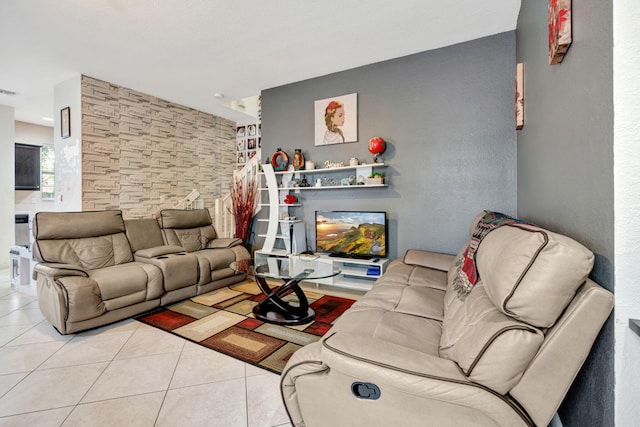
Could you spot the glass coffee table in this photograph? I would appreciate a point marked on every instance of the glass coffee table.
(291, 270)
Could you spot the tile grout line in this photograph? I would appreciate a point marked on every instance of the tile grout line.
(246, 394)
(166, 392)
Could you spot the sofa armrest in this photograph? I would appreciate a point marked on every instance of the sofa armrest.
(159, 251)
(225, 242)
(55, 270)
(428, 259)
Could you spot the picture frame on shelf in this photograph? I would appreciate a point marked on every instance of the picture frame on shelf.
(240, 132)
(65, 122)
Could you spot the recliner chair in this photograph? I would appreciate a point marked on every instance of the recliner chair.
(219, 259)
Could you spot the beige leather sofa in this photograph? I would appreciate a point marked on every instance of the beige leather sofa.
(412, 353)
(95, 268)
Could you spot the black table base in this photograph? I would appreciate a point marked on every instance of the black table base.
(273, 309)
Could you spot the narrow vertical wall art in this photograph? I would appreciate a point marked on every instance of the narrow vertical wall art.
(559, 30)
(519, 96)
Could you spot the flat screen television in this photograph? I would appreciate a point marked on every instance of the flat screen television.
(27, 172)
(352, 234)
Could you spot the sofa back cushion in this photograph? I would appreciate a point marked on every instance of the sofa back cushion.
(191, 229)
(89, 239)
(143, 233)
(532, 274)
(490, 347)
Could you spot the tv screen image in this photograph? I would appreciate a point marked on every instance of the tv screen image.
(352, 234)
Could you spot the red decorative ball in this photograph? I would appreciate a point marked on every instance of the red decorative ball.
(377, 145)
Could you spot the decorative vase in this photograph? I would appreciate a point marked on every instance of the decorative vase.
(298, 160)
(279, 160)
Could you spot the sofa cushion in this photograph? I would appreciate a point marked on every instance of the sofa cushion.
(88, 239)
(143, 233)
(89, 252)
(191, 229)
(128, 279)
(181, 218)
(77, 225)
(391, 327)
(413, 275)
(532, 274)
(490, 347)
(419, 301)
(408, 289)
(191, 239)
(428, 259)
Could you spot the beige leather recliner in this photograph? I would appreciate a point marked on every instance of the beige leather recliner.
(95, 268)
(219, 259)
(412, 353)
(87, 276)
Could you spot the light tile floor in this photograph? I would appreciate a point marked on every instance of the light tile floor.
(125, 374)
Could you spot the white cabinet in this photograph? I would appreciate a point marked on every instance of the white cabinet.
(355, 273)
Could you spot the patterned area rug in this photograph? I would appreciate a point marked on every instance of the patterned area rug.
(223, 320)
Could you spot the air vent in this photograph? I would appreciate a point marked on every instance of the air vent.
(7, 92)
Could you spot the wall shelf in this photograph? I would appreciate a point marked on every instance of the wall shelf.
(285, 221)
(289, 205)
(338, 169)
(328, 187)
(363, 170)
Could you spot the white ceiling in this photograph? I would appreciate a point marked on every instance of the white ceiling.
(185, 51)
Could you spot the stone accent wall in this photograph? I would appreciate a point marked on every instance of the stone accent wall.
(141, 153)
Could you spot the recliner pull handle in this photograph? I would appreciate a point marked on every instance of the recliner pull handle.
(365, 390)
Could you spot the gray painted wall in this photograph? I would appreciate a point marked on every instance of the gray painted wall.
(565, 167)
(448, 118)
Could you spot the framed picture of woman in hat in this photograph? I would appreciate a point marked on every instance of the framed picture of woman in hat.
(336, 119)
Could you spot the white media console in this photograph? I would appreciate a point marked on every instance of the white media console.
(354, 273)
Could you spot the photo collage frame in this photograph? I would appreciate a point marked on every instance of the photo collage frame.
(248, 141)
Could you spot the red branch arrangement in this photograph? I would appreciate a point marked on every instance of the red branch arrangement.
(243, 203)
